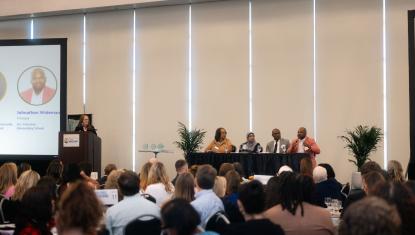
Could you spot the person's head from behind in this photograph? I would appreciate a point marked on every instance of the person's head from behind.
(295, 189)
(181, 166)
(112, 182)
(283, 169)
(72, 173)
(220, 134)
(273, 191)
(370, 216)
(55, 170)
(306, 166)
(38, 80)
(250, 137)
(27, 180)
(193, 170)
(158, 174)
(319, 174)
(178, 217)
(185, 187)
(86, 167)
(329, 169)
(24, 166)
(251, 199)
(8, 176)
(205, 177)
(108, 168)
(49, 183)
(370, 180)
(395, 171)
(145, 169)
(35, 209)
(276, 134)
(370, 166)
(238, 168)
(233, 181)
(224, 168)
(79, 210)
(128, 183)
(301, 133)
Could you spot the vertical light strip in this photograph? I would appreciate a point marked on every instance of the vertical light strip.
(133, 92)
(385, 91)
(250, 65)
(314, 72)
(31, 28)
(84, 64)
(189, 72)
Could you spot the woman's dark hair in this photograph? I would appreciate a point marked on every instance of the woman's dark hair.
(217, 133)
(238, 168)
(306, 166)
(252, 197)
(35, 210)
(86, 167)
(398, 194)
(72, 173)
(233, 181)
(224, 168)
(49, 183)
(273, 191)
(55, 170)
(24, 166)
(296, 190)
(329, 169)
(179, 215)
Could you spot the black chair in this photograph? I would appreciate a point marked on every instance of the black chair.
(217, 222)
(149, 197)
(145, 225)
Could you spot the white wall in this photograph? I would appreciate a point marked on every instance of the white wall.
(348, 73)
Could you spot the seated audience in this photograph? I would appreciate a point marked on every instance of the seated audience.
(35, 213)
(159, 185)
(220, 144)
(251, 204)
(181, 168)
(24, 166)
(250, 146)
(238, 168)
(295, 214)
(400, 196)
(55, 170)
(8, 179)
(107, 171)
(206, 202)
(193, 170)
(27, 180)
(370, 180)
(224, 168)
(395, 171)
(132, 206)
(220, 186)
(230, 200)
(306, 167)
(79, 210)
(48, 182)
(144, 176)
(283, 169)
(273, 190)
(370, 166)
(370, 216)
(112, 182)
(324, 187)
(185, 187)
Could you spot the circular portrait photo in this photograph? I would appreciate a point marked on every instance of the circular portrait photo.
(3, 86)
(37, 85)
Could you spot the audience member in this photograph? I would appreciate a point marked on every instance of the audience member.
(24, 166)
(251, 204)
(107, 171)
(395, 171)
(370, 180)
(224, 168)
(324, 187)
(144, 176)
(55, 170)
(219, 187)
(230, 200)
(370, 216)
(356, 192)
(370, 166)
(206, 202)
(132, 206)
(238, 168)
(193, 170)
(185, 187)
(159, 185)
(27, 180)
(273, 190)
(181, 168)
(112, 182)
(306, 167)
(8, 179)
(283, 169)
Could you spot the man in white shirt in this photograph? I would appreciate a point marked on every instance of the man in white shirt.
(278, 145)
(206, 202)
(132, 206)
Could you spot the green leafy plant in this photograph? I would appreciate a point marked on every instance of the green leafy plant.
(361, 142)
(189, 140)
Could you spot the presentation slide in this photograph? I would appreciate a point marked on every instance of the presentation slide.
(30, 105)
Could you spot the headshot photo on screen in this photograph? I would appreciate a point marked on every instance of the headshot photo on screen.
(37, 85)
(3, 86)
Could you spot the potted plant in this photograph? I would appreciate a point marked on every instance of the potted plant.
(361, 142)
(189, 140)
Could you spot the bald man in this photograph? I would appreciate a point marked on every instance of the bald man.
(39, 93)
(278, 145)
(305, 144)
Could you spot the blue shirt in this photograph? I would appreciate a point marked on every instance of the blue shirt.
(131, 207)
(206, 203)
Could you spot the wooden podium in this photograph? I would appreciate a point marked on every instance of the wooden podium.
(76, 147)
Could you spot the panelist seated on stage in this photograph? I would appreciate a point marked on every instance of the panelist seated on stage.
(220, 144)
(278, 145)
(305, 144)
(250, 146)
(84, 125)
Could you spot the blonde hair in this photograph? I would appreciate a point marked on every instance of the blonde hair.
(395, 171)
(144, 176)
(185, 187)
(219, 188)
(157, 174)
(27, 180)
(8, 176)
(112, 181)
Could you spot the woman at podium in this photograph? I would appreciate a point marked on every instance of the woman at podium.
(84, 125)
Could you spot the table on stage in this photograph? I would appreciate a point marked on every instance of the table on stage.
(253, 163)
